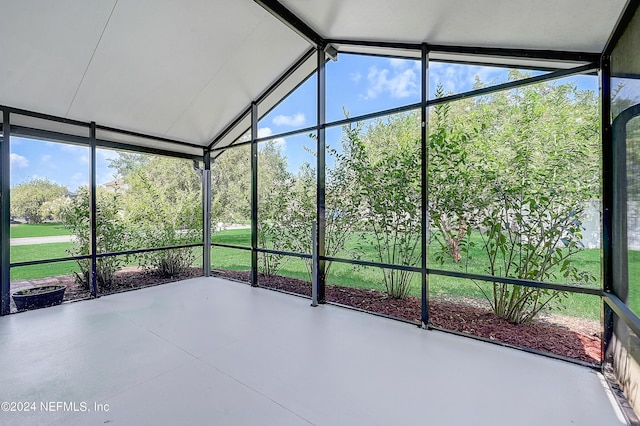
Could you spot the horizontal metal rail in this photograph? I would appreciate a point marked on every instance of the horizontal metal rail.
(99, 255)
(557, 55)
(286, 134)
(45, 261)
(517, 281)
(622, 311)
(373, 115)
(465, 275)
(78, 123)
(372, 263)
(515, 84)
(231, 246)
(283, 253)
(147, 250)
(50, 135)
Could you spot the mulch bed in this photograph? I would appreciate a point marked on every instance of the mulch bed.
(463, 318)
(125, 280)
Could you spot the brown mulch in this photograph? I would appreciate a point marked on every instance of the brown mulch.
(125, 280)
(558, 335)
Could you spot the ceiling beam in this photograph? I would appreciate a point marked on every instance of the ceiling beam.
(559, 55)
(292, 21)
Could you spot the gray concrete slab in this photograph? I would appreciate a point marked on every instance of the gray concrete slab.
(27, 241)
(209, 351)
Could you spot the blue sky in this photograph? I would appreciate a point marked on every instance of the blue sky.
(355, 83)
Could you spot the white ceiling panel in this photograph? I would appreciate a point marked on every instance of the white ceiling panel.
(186, 69)
(45, 48)
(166, 74)
(178, 69)
(574, 25)
(263, 56)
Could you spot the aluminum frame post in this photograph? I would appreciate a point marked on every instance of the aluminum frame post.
(5, 215)
(206, 215)
(314, 264)
(254, 195)
(93, 282)
(607, 196)
(424, 202)
(319, 246)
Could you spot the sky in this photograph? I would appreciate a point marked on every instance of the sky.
(356, 85)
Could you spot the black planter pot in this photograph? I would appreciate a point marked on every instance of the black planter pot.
(38, 297)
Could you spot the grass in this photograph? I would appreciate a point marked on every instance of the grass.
(43, 271)
(238, 237)
(578, 305)
(634, 281)
(348, 275)
(39, 251)
(38, 230)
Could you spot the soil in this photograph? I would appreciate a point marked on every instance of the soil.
(565, 336)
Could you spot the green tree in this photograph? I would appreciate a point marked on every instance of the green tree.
(453, 189)
(274, 196)
(127, 162)
(111, 234)
(384, 160)
(162, 207)
(28, 198)
(231, 186)
(529, 168)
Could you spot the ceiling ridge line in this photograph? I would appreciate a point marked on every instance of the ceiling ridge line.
(84, 74)
(204, 87)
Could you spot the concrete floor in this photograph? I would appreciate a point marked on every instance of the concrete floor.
(207, 351)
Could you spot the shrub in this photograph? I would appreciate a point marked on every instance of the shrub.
(111, 234)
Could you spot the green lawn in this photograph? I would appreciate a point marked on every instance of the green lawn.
(39, 251)
(38, 230)
(366, 277)
(42, 271)
(344, 274)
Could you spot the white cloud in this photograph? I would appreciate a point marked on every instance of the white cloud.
(398, 82)
(401, 64)
(45, 158)
(83, 159)
(294, 120)
(355, 77)
(265, 132)
(18, 161)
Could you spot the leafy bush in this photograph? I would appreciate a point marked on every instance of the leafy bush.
(162, 208)
(521, 168)
(384, 161)
(274, 204)
(111, 234)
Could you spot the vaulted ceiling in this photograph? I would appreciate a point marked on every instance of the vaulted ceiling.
(185, 69)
